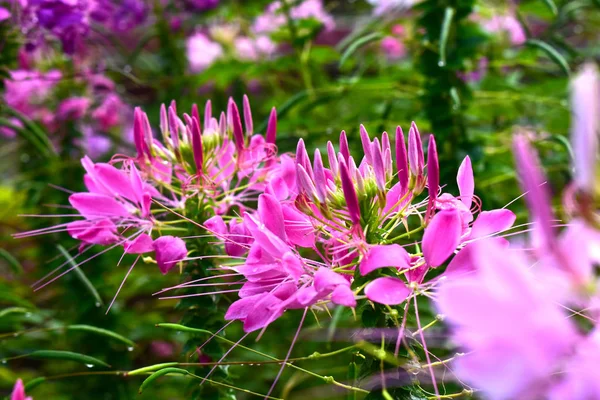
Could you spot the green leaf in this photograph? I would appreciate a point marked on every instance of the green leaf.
(35, 133)
(67, 356)
(552, 53)
(84, 279)
(183, 328)
(34, 383)
(12, 261)
(101, 331)
(160, 373)
(357, 44)
(13, 310)
(151, 368)
(551, 6)
(446, 24)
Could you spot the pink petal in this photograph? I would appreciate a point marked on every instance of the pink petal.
(381, 256)
(386, 290)
(298, 227)
(466, 182)
(238, 241)
(265, 311)
(169, 250)
(239, 309)
(401, 160)
(116, 181)
(278, 187)
(343, 296)
(216, 225)
(102, 232)
(140, 245)
(326, 280)
(267, 240)
(92, 205)
(441, 237)
(292, 265)
(18, 392)
(305, 296)
(269, 209)
(490, 222)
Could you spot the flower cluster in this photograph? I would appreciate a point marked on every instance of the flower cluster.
(256, 43)
(96, 111)
(70, 21)
(307, 233)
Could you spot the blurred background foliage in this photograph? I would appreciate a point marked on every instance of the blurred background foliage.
(450, 72)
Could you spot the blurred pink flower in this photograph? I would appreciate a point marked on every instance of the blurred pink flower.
(4, 14)
(73, 108)
(202, 52)
(585, 126)
(393, 48)
(509, 25)
(29, 91)
(110, 113)
(251, 49)
(508, 321)
(382, 7)
(162, 349)
(273, 17)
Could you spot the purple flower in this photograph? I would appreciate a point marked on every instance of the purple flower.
(202, 5)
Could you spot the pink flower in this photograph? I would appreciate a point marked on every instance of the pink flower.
(110, 112)
(202, 52)
(579, 377)
(252, 49)
(4, 14)
(393, 48)
(73, 108)
(18, 392)
(509, 322)
(273, 17)
(509, 25)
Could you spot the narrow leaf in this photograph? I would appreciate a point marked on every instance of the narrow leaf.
(101, 331)
(357, 44)
(34, 383)
(67, 356)
(448, 15)
(552, 6)
(14, 264)
(552, 53)
(13, 310)
(160, 373)
(182, 328)
(151, 368)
